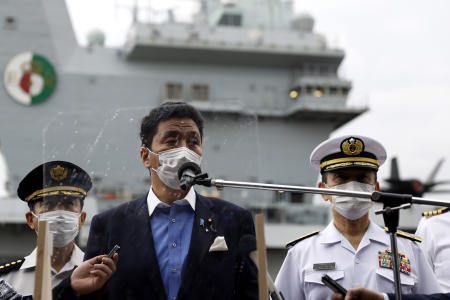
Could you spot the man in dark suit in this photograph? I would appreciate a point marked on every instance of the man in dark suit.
(366, 294)
(175, 244)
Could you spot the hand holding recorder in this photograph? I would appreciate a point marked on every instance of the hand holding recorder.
(93, 273)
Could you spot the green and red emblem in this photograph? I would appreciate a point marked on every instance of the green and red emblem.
(30, 78)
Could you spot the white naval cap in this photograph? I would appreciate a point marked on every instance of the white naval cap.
(348, 151)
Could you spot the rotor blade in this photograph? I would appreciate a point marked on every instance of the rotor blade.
(441, 182)
(434, 171)
(394, 169)
(439, 191)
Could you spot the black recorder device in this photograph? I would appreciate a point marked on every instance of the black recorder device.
(113, 251)
(333, 285)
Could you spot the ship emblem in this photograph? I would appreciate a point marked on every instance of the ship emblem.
(58, 173)
(30, 78)
(352, 146)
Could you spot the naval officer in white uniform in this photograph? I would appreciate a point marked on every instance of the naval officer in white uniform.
(351, 249)
(54, 191)
(434, 229)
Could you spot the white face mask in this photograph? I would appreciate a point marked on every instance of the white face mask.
(63, 225)
(170, 162)
(352, 208)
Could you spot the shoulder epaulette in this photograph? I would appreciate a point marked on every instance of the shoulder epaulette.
(7, 267)
(406, 235)
(292, 243)
(436, 212)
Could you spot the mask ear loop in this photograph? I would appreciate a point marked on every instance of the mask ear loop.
(36, 216)
(145, 147)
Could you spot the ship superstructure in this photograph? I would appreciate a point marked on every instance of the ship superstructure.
(267, 84)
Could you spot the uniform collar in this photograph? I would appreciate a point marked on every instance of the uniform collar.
(153, 201)
(75, 259)
(331, 235)
(378, 234)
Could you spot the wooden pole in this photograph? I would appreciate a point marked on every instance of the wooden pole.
(42, 274)
(262, 260)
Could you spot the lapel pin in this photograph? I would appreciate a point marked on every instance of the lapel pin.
(210, 225)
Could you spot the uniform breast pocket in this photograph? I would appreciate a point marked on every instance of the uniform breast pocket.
(385, 281)
(314, 287)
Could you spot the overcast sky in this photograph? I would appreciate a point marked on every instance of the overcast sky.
(397, 57)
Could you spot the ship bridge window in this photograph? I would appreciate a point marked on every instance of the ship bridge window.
(174, 91)
(345, 90)
(333, 90)
(297, 197)
(290, 197)
(318, 92)
(200, 92)
(230, 20)
(293, 94)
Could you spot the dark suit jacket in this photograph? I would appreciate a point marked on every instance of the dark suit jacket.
(207, 275)
(421, 297)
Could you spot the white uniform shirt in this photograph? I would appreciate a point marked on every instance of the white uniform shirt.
(434, 231)
(22, 280)
(298, 279)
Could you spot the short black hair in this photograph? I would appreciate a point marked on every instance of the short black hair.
(167, 111)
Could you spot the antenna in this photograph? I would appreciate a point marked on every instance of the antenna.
(204, 8)
(135, 11)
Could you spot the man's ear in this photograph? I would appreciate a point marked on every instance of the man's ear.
(30, 220)
(82, 219)
(322, 185)
(145, 157)
(377, 186)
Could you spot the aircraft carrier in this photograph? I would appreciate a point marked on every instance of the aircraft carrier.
(267, 84)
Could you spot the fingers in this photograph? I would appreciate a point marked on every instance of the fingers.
(337, 296)
(109, 263)
(95, 260)
(101, 275)
(354, 294)
(103, 268)
(363, 293)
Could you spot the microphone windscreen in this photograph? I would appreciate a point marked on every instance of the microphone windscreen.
(247, 244)
(189, 166)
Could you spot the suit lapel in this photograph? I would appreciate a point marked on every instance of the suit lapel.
(201, 241)
(141, 233)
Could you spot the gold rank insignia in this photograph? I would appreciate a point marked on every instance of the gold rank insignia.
(14, 265)
(58, 173)
(294, 242)
(436, 212)
(352, 146)
(406, 235)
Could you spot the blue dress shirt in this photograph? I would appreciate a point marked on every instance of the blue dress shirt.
(172, 230)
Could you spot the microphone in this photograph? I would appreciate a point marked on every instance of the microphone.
(187, 173)
(7, 292)
(247, 246)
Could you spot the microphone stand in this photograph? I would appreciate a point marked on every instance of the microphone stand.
(392, 203)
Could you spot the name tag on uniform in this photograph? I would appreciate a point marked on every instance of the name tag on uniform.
(324, 266)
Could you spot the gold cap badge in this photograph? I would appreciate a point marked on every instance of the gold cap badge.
(352, 146)
(58, 173)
